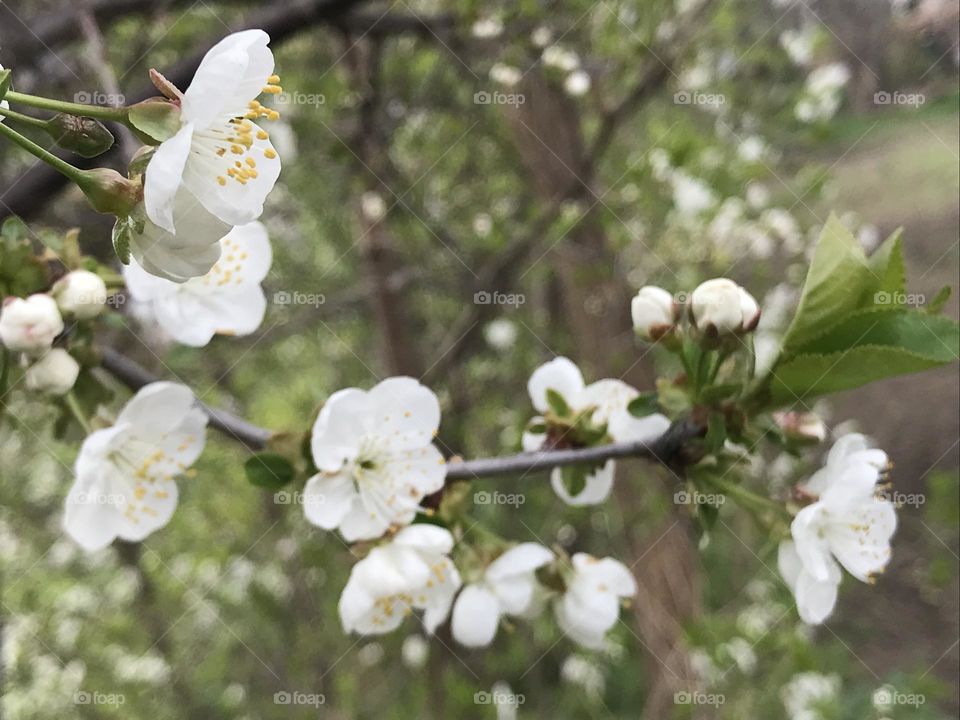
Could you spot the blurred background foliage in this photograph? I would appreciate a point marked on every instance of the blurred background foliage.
(708, 138)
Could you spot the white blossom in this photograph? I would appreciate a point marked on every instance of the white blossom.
(506, 588)
(590, 606)
(505, 74)
(653, 312)
(577, 83)
(848, 525)
(725, 306)
(559, 57)
(30, 325)
(228, 300)
(375, 458)
(54, 373)
(691, 196)
(410, 572)
(485, 28)
(501, 333)
(81, 294)
(609, 400)
(125, 474)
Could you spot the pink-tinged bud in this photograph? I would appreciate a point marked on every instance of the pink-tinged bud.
(654, 312)
(801, 427)
(30, 325)
(722, 306)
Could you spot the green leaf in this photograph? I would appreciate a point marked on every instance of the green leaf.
(716, 432)
(156, 120)
(838, 277)
(644, 404)
(122, 232)
(888, 285)
(269, 470)
(718, 393)
(935, 306)
(557, 403)
(574, 478)
(933, 337)
(14, 230)
(808, 376)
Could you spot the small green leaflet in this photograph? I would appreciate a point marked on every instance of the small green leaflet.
(269, 470)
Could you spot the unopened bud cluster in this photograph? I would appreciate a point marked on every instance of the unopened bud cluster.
(716, 308)
(31, 325)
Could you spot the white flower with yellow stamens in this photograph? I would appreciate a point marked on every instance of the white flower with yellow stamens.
(848, 525)
(228, 300)
(125, 474)
(375, 457)
(590, 606)
(411, 572)
(220, 156)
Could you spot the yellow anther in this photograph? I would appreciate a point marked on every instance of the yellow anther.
(269, 154)
(273, 79)
(262, 135)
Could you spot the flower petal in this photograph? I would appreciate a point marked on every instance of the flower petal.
(406, 413)
(861, 542)
(341, 424)
(476, 615)
(429, 538)
(327, 499)
(523, 558)
(164, 176)
(157, 408)
(559, 375)
(597, 488)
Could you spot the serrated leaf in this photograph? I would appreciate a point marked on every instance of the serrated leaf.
(838, 277)
(269, 470)
(808, 376)
(936, 305)
(934, 337)
(557, 404)
(888, 285)
(644, 404)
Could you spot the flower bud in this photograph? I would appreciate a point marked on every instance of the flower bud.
(55, 373)
(722, 306)
(110, 192)
(30, 325)
(653, 312)
(81, 293)
(801, 427)
(84, 136)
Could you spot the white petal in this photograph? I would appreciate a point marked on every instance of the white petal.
(164, 176)
(421, 471)
(845, 446)
(789, 564)
(531, 442)
(157, 408)
(430, 538)
(515, 593)
(597, 488)
(608, 396)
(92, 525)
(210, 173)
(624, 427)
(816, 599)
(615, 577)
(523, 558)
(813, 550)
(148, 512)
(345, 418)
(853, 486)
(406, 413)
(327, 499)
(360, 524)
(560, 375)
(231, 74)
(861, 542)
(476, 615)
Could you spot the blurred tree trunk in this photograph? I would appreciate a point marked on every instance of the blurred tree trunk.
(596, 309)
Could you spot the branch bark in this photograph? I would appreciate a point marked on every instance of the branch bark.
(669, 449)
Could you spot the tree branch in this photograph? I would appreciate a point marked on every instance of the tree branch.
(668, 449)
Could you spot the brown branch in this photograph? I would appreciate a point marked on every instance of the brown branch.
(669, 449)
